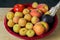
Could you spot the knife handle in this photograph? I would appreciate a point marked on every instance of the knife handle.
(54, 9)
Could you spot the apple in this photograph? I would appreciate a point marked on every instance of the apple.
(39, 11)
(28, 17)
(10, 15)
(22, 22)
(10, 23)
(16, 28)
(43, 7)
(30, 33)
(18, 8)
(18, 14)
(22, 31)
(26, 11)
(47, 13)
(34, 4)
(15, 19)
(45, 25)
(39, 28)
(29, 25)
(34, 19)
(30, 8)
(35, 12)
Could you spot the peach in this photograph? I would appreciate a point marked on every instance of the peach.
(15, 19)
(38, 28)
(43, 7)
(10, 15)
(35, 12)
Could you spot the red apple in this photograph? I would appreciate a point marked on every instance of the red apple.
(18, 8)
(43, 7)
(38, 28)
(45, 24)
(30, 8)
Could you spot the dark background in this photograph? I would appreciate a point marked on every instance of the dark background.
(11, 3)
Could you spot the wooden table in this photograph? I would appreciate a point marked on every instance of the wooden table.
(4, 35)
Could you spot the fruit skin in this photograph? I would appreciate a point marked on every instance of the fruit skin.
(15, 19)
(26, 11)
(10, 15)
(47, 18)
(10, 23)
(22, 22)
(38, 28)
(30, 8)
(34, 19)
(35, 4)
(35, 12)
(43, 7)
(46, 26)
(16, 28)
(18, 8)
(30, 33)
(18, 14)
(39, 11)
(29, 25)
(47, 13)
(22, 31)
(28, 17)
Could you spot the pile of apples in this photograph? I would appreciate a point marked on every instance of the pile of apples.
(26, 21)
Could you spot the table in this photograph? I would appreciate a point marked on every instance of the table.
(4, 35)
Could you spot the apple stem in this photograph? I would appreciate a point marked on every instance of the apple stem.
(54, 9)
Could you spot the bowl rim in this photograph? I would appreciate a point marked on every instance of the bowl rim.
(31, 38)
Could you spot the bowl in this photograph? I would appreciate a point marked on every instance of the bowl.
(35, 37)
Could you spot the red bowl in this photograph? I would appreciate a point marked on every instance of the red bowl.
(35, 37)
